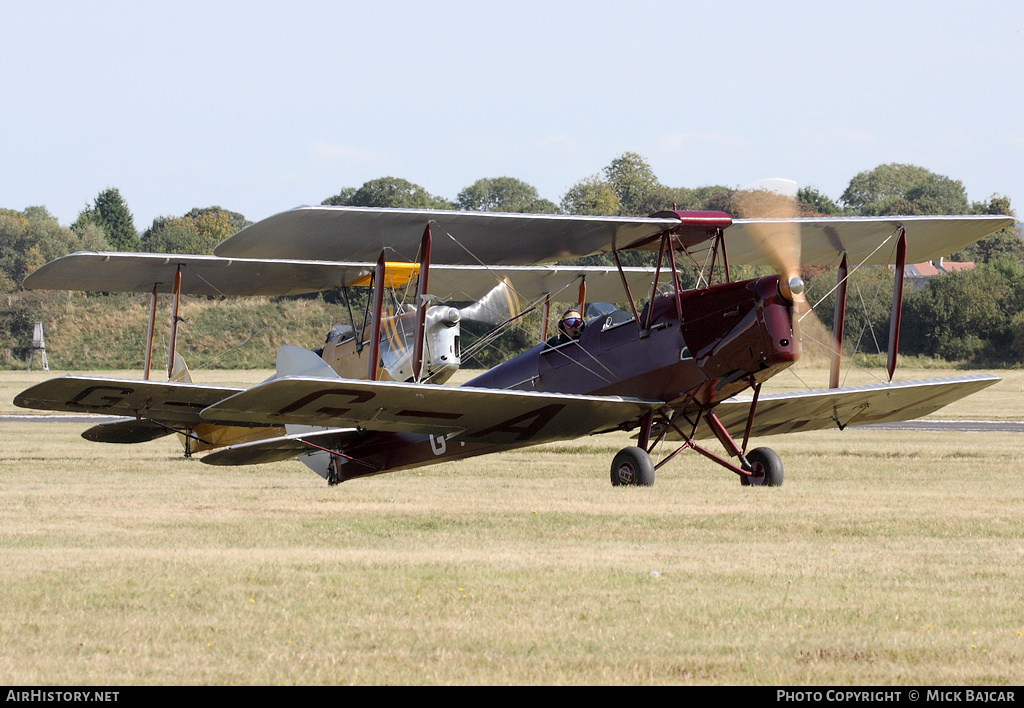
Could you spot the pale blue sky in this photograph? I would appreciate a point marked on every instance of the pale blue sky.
(259, 106)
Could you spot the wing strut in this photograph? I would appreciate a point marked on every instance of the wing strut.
(675, 281)
(421, 304)
(657, 275)
(149, 335)
(838, 325)
(897, 301)
(719, 246)
(378, 308)
(174, 323)
(544, 318)
(720, 241)
(625, 286)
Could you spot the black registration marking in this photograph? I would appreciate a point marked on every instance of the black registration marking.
(524, 426)
(101, 396)
(431, 414)
(357, 396)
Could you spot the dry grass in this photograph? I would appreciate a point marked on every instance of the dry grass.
(887, 558)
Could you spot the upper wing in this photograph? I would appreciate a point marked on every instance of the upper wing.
(165, 401)
(459, 237)
(210, 275)
(837, 408)
(91, 271)
(822, 240)
(477, 414)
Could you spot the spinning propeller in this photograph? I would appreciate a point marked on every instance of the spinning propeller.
(496, 307)
(775, 201)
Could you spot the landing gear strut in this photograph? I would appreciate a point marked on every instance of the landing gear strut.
(761, 467)
(632, 467)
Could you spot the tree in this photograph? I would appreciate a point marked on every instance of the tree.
(968, 315)
(389, 192)
(634, 182)
(817, 202)
(198, 231)
(342, 198)
(592, 196)
(897, 189)
(630, 188)
(30, 238)
(228, 221)
(1005, 243)
(111, 214)
(504, 194)
(664, 198)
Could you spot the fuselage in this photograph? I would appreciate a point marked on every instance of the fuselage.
(728, 337)
(728, 333)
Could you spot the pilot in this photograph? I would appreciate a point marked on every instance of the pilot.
(570, 326)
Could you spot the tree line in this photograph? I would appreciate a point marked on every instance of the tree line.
(973, 316)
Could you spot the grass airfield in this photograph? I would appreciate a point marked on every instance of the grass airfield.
(886, 558)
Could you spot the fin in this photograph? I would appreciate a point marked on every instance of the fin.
(297, 361)
(180, 372)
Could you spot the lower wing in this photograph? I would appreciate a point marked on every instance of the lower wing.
(475, 414)
(168, 401)
(838, 408)
(284, 447)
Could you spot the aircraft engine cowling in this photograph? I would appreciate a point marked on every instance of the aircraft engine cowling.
(443, 343)
(442, 334)
(442, 350)
(738, 330)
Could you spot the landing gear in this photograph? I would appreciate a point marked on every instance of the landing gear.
(632, 467)
(770, 462)
(334, 471)
(761, 467)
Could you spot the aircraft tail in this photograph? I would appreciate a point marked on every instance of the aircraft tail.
(297, 361)
(248, 445)
(180, 372)
(210, 436)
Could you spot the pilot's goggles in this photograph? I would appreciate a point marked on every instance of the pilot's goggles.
(573, 321)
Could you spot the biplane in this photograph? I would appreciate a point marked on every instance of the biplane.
(677, 367)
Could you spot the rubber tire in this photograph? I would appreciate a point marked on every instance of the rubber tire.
(772, 464)
(632, 467)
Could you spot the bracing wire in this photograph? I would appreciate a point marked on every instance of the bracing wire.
(867, 313)
(227, 351)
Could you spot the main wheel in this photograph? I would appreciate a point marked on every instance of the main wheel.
(770, 462)
(632, 467)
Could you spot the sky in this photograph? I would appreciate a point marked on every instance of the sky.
(259, 107)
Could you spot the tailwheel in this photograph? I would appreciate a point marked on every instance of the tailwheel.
(334, 471)
(632, 467)
(770, 462)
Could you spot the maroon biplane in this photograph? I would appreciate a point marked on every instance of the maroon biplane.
(669, 363)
